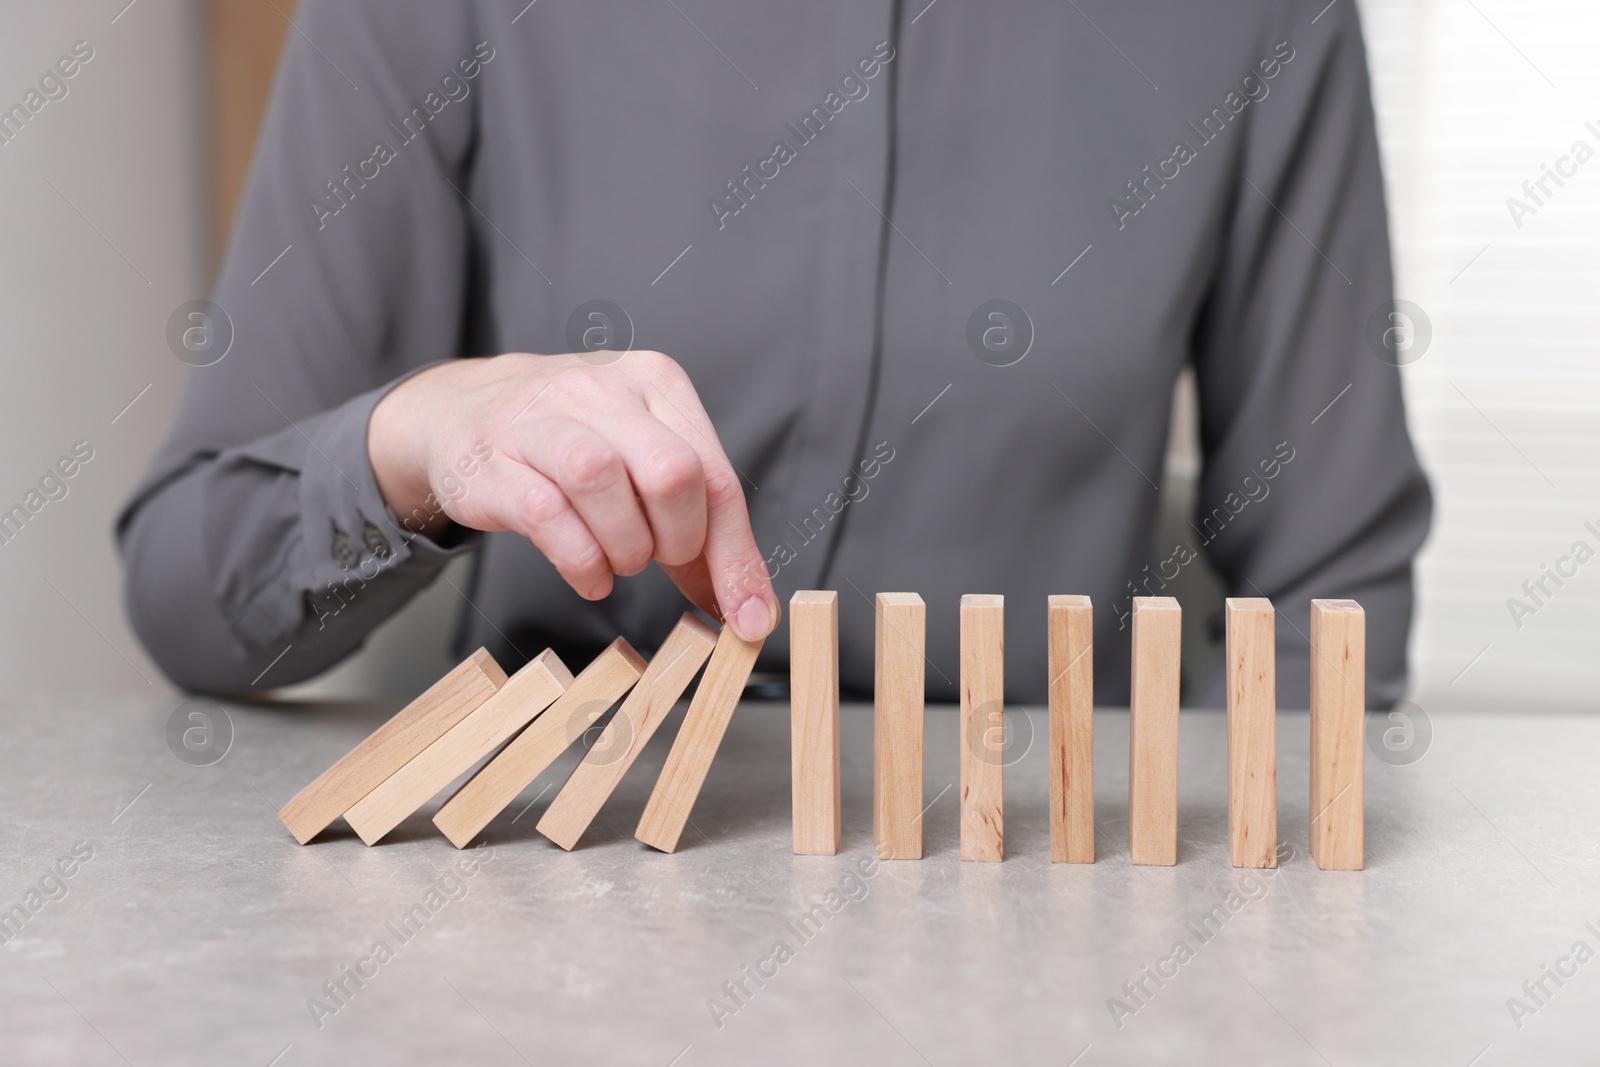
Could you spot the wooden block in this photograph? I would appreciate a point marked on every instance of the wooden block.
(983, 727)
(902, 621)
(393, 745)
(1071, 729)
(629, 730)
(601, 684)
(814, 720)
(1338, 748)
(1252, 732)
(526, 694)
(1153, 731)
(684, 772)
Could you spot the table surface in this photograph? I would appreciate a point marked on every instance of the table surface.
(197, 931)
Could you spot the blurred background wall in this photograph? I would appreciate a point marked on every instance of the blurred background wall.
(115, 201)
(102, 233)
(1475, 99)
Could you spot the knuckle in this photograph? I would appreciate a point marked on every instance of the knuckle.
(671, 472)
(571, 383)
(722, 486)
(584, 560)
(544, 504)
(745, 579)
(588, 466)
(663, 367)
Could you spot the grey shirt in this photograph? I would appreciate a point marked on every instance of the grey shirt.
(812, 208)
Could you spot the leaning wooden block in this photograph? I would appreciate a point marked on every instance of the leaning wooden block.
(598, 686)
(1338, 751)
(629, 730)
(390, 747)
(526, 694)
(1153, 731)
(1252, 732)
(902, 620)
(814, 720)
(983, 727)
(1071, 638)
(715, 699)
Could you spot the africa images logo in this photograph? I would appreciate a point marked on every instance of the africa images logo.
(1398, 332)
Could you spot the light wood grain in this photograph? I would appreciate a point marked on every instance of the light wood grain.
(526, 694)
(689, 759)
(983, 727)
(393, 745)
(1251, 627)
(630, 729)
(814, 720)
(1071, 639)
(1338, 748)
(898, 679)
(1153, 732)
(486, 794)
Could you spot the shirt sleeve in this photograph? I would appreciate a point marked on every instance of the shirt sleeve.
(1310, 485)
(258, 550)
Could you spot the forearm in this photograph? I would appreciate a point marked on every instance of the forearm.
(1311, 487)
(266, 564)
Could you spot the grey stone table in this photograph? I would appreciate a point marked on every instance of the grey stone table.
(191, 929)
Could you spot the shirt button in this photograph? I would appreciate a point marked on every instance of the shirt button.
(344, 551)
(377, 544)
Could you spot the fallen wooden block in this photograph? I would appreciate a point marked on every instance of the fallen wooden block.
(629, 730)
(897, 725)
(684, 772)
(1153, 731)
(525, 694)
(1071, 637)
(1338, 750)
(983, 728)
(392, 745)
(814, 721)
(1252, 732)
(486, 794)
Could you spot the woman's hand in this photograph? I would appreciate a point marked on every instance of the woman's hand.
(604, 466)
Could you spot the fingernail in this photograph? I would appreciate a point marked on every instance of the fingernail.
(752, 620)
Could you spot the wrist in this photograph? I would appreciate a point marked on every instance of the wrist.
(397, 452)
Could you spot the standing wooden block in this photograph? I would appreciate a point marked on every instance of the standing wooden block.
(814, 720)
(601, 684)
(392, 745)
(1252, 732)
(629, 730)
(526, 694)
(1153, 731)
(983, 727)
(1338, 751)
(1071, 729)
(715, 699)
(902, 621)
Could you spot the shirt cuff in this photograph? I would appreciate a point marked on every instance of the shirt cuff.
(348, 535)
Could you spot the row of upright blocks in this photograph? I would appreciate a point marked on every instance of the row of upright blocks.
(1337, 703)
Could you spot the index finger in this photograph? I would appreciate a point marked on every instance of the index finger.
(731, 564)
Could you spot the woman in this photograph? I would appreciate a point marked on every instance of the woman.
(926, 277)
